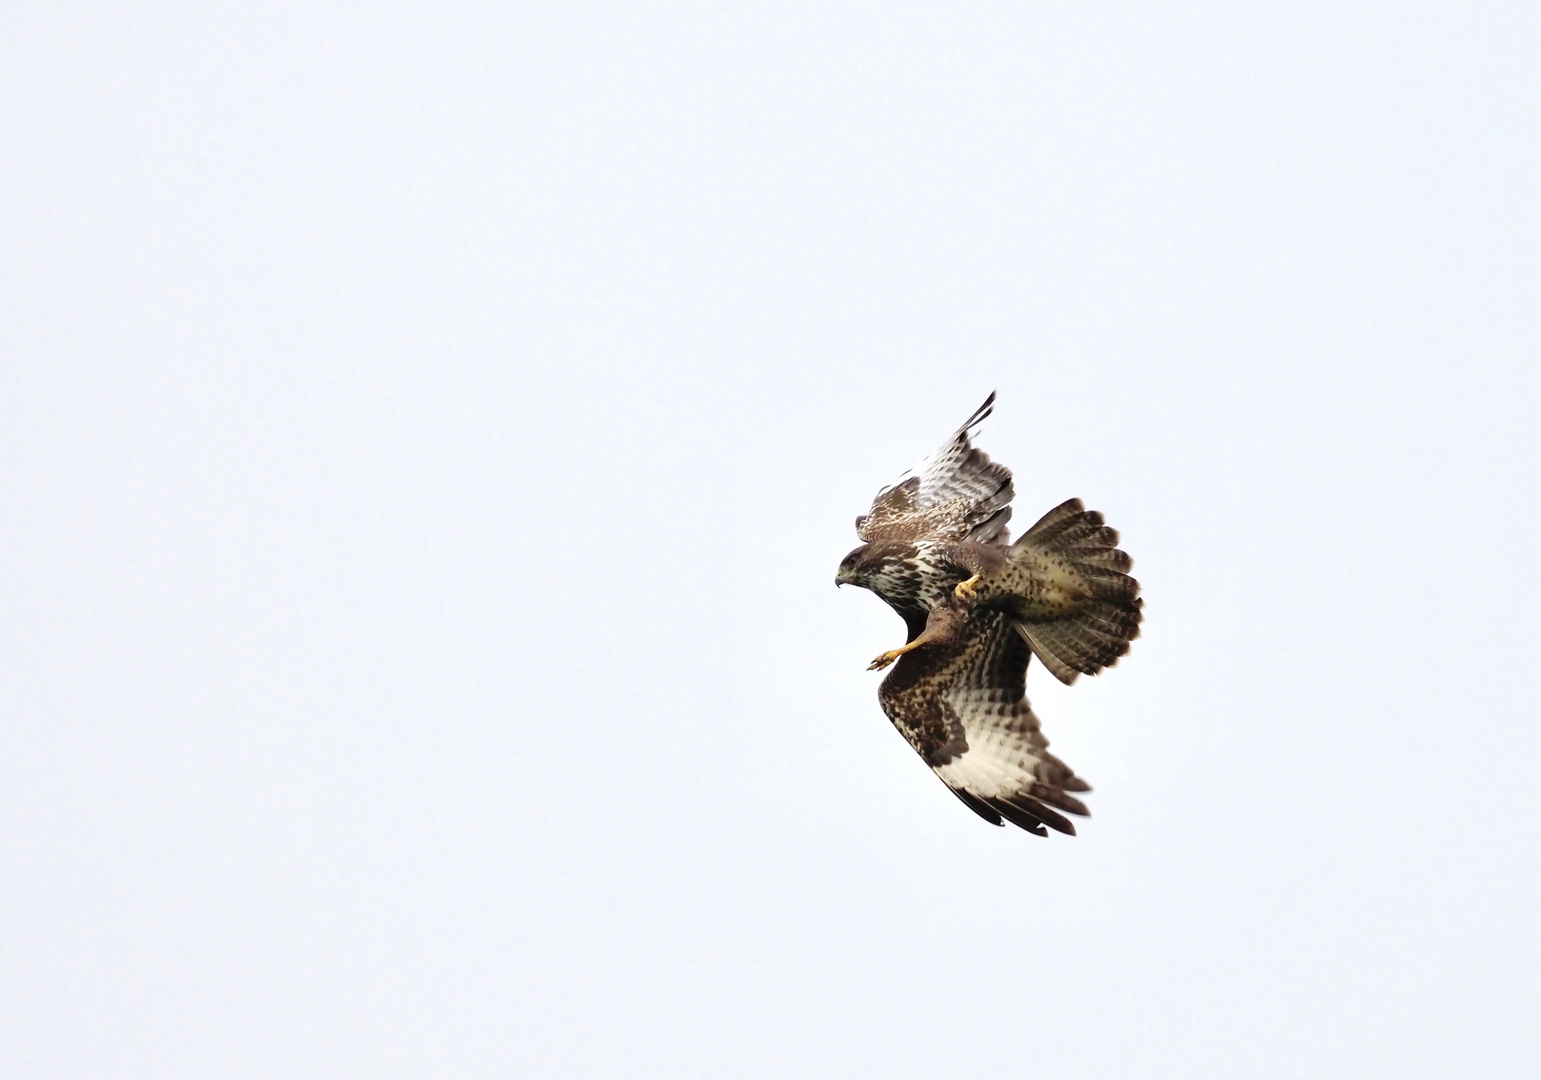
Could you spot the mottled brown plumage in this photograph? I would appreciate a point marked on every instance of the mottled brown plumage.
(960, 703)
(932, 527)
(1063, 583)
(977, 608)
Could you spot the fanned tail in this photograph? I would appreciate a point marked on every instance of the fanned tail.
(1099, 631)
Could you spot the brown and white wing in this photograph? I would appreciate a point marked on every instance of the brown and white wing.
(966, 714)
(957, 493)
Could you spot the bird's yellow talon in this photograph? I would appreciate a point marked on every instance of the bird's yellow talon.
(887, 658)
(965, 589)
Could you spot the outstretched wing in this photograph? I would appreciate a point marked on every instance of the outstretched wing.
(964, 712)
(957, 493)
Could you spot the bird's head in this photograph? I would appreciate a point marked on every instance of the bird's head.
(847, 574)
(869, 565)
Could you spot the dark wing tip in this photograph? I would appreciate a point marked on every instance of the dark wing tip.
(1022, 811)
(976, 804)
(1030, 814)
(981, 414)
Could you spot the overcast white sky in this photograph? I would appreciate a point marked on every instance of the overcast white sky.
(429, 436)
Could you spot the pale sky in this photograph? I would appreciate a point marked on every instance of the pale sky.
(430, 433)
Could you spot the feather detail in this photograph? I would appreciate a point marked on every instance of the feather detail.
(961, 706)
(948, 496)
(1072, 548)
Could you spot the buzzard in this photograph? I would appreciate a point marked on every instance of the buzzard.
(977, 608)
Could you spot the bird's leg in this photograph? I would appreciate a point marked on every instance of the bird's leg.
(936, 629)
(965, 589)
(893, 654)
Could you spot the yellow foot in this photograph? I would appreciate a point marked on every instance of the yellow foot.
(965, 589)
(887, 658)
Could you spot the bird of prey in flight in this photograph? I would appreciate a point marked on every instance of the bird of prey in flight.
(977, 608)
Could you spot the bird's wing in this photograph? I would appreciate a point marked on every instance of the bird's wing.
(957, 493)
(964, 712)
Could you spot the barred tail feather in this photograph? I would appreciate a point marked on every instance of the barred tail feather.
(1086, 642)
(1100, 630)
(1055, 519)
